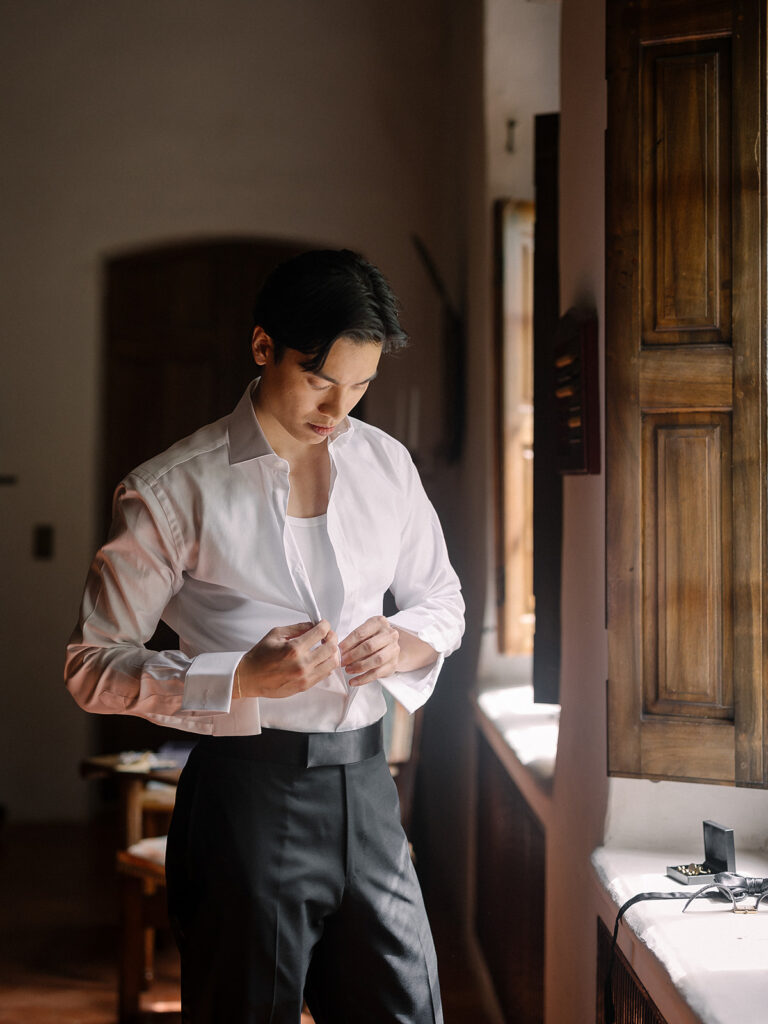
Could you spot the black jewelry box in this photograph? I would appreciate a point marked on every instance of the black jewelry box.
(719, 855)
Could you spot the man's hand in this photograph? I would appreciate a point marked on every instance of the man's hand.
(376, 650)
(288, 660)
(372, 651)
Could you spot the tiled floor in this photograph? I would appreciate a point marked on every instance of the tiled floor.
(58, 934)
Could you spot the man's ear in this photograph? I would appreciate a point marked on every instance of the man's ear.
(262, 346)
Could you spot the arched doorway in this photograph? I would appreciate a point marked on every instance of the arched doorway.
(177, 324)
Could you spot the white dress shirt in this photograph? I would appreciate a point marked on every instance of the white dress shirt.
(199, 539)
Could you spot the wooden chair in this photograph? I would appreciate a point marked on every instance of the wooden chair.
(142, 868)
(157, 800)
(142, 910)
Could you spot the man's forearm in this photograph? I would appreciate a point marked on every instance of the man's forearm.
(414, 653)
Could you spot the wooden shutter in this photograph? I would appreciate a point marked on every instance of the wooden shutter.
(685, 389)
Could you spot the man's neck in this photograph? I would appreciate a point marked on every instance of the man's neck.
(279, 440)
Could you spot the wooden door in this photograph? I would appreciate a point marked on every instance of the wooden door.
(685, 389)
(177, 356)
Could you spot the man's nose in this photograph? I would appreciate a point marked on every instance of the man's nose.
(333, 404)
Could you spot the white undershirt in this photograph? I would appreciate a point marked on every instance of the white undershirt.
(316, 550)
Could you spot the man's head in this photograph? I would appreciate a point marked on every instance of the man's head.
(311, 300)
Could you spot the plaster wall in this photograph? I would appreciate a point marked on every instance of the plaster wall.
(134, 123)
(580, 785)
(505, 59)
(446, 783)
(522, 79)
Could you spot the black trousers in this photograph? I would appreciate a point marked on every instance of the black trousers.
(287, 882)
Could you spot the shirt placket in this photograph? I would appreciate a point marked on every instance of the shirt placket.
(346, 568)
(300, 577)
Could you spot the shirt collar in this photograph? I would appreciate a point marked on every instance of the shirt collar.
(246, 438)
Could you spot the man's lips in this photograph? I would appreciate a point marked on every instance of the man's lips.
(319, 429)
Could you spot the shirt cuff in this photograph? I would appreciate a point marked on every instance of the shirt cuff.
(413, 689)
(423, 626)
(208, 683)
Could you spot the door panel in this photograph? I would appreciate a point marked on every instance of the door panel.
(685, 144)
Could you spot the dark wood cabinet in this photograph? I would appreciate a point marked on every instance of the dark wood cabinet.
(510, 890)
(631, 1002)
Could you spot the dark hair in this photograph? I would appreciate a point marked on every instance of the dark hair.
(313, 299)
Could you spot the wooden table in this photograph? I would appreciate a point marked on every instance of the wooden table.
(131, 781)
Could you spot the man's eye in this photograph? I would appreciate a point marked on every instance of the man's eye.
(318, 385)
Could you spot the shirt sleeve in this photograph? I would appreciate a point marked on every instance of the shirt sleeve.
(427, 592)
(108, 668)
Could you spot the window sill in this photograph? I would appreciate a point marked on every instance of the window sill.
(524, 737)
(714, 959)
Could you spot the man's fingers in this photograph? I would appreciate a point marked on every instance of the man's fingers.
(373, 668)
(317, 665)
(364, 656)
(368, 629)
(370, 645)
(316, 659)
(293, 631)
(307, 639)
(369, 677)
(379, 664)
(329, 662)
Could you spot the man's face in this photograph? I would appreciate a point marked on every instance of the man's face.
(296, 406)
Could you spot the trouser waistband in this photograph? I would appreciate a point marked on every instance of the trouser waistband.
(302, 749)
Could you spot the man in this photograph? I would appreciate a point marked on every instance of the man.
(262, 539)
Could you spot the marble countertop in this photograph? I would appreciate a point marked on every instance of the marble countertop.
(717, 960)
